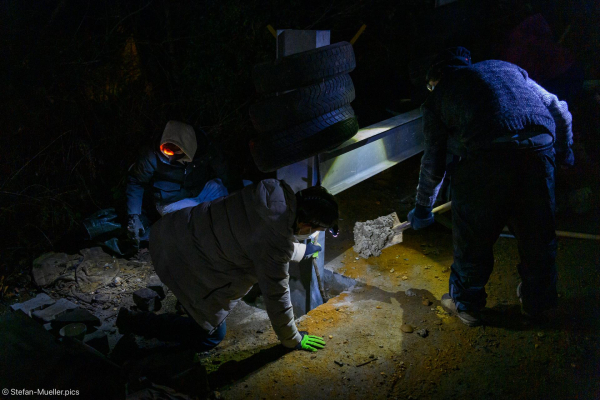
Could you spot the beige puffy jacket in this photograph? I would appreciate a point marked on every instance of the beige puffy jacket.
(211, 255)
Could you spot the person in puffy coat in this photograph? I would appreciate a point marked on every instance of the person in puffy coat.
(183, 170)
(212, 254)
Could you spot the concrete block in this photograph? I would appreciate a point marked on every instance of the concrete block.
(154, 283)
(97, 340)
(146, 299)
(39, 302)
(55, 310)
(76, 315)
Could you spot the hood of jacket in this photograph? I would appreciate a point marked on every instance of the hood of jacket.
(275, 203)
(183, 136)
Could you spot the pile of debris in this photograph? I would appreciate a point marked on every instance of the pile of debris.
(89, 288)
(77, 301)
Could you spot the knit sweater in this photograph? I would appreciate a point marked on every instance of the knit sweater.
(488, 105)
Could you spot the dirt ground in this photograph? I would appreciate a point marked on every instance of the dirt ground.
(369, 356)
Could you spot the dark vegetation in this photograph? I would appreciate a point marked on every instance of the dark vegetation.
(87, 83)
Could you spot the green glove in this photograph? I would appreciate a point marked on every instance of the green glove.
(310, 342)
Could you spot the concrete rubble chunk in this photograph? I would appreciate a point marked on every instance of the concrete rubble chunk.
(48, 267)
(146, 299)
(101, 298)
(55, 310)
(371, 237)
(154, 283)
(76, 315)
(39, 302)
(97, 340)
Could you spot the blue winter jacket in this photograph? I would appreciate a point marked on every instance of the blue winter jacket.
(171, 182)
(488, 105)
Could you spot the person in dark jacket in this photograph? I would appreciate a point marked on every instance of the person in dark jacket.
(509, 133)
(212, 254)
(184, 170)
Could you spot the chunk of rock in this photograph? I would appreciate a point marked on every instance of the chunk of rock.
(154, 283)
(101, 298)
(423, 333)
(426, 302)
(410, 293)
(39, 302)
(57, 309)
(371, 237)
(48, 267)
(76, 315)
(407, 328)
(146, 299)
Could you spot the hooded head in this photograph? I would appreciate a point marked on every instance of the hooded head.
(183, 136)
(316, 209)
(453, 56)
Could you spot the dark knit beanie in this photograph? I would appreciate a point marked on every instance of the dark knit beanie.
(454, 56)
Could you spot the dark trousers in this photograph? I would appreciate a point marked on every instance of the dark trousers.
(493, 189)
(177, 328)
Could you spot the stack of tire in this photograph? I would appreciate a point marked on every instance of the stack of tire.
(305, 105)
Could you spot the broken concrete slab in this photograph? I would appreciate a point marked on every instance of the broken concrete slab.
(97, 269)
(55, 310)
(97, 340)
(154, 283)
(48, 267)
(370, 237)
(146, 299)
(39, 302)
(76, 315)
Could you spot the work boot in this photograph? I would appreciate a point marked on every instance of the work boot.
(469, 318)
(536, 318)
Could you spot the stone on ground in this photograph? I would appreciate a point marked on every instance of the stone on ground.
(55, 310)
(39, 302)
(76, 315)
(154, 283)
(146, 299)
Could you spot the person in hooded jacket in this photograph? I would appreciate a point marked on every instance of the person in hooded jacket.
(509, 133)
(212, 254)
(184, 170)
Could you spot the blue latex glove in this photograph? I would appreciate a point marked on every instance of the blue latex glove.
(420, 217)
(311, 249)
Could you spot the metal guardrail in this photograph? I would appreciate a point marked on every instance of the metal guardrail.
(372, 150)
